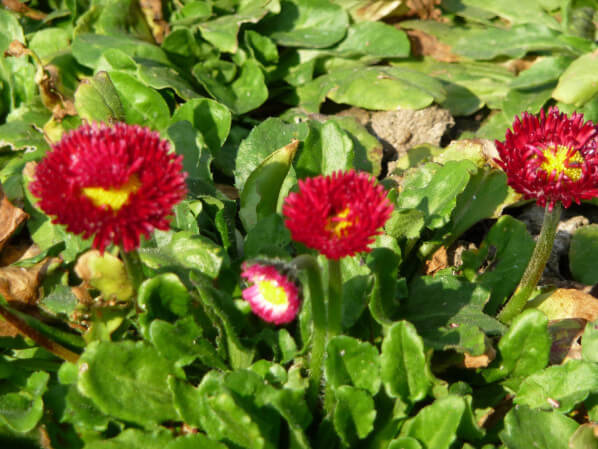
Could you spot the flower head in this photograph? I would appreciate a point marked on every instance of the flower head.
(551, 158)
(272, 295)
(339, 215)
(115, 182)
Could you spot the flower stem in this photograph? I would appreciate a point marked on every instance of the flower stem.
(535, 267)
(318, 313)
(335, 294)
(133, 267)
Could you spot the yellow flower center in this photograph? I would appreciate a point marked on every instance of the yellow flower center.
(272, 292)
(558, 161)
(338, 224)
(114, 198)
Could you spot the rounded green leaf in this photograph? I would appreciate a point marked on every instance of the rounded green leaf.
(526, 428)
(559, 386)
(403, 363)
(579, 83)
(142, 105)
(352, 362)
(128, 381)
(404, 443)
(374, 39)
(210, 118)
(97, 99)
(525, 348)
(436, 425)
(247, 92)
(583, 253)
(306, 23)
(164, 297)
(354, 414)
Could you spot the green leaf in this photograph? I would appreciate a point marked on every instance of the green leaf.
(327, 149)
(584, 437)
(352, 362)
(354, 414)
(577, 85)
(247, 92)
(436, 425)
(194, 441)
(164, 297)
(268, 237)
(405, 443)
(447, 313)
(142, 105)
(589, 342)
(504, 253)
(128, 381)
(566, 385)
(405, 223)
(189, 143)
(107, 274)
(267, 137)
(516, 12)
(260, 193)
(20, 135)
(484, 197)
(46, 43)
(582, 253)
(97, 99)
(22, 411)
(134, 439)
(530, 100)
(525, 347)
(515, 42)
(306, 23)
(88, 48)
(210, 118)
(374, 39)
(183, 252)
(261, 47)
(544, 70)
(222, 31)
(404, 364)
(525, 428)
(212, 407)
(183, 342)
(82, 412)
(434, 189)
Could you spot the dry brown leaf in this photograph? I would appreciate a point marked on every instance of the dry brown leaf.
(479, 361)
(152, 10)
(20, 251)
(424, 44)
(50, 87)
(566, 335)
(437, 262)
(7, 329)
(11, 217)
(21, 284)
(564, 303)
(21, 8)
(425, 9)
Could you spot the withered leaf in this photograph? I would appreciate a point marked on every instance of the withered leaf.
(21, 284)
(11, 217)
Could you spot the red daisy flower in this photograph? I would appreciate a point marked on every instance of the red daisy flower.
(551, 158)
(339, 215)
(115, 182)
(273, 296)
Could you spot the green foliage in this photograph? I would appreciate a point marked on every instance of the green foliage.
(249, 92)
